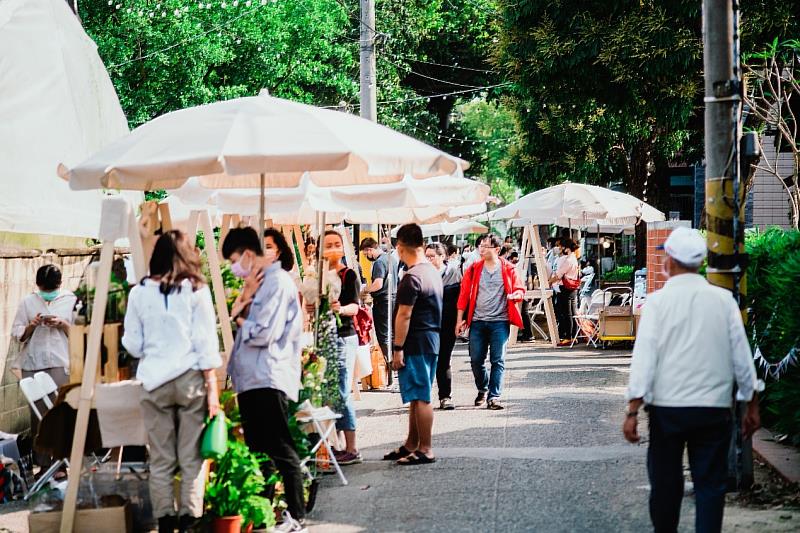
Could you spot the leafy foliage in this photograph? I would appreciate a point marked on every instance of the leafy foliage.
(621, 273)
(773, 276)
(235, 486)
(601, 88)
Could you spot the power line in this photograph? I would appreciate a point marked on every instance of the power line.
(409, 70)
(431, 96)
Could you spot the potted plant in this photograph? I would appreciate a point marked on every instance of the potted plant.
(233, 493)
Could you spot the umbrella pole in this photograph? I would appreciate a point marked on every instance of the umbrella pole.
(320, 272)
(261, 212)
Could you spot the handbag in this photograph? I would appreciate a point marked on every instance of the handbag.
(215, 438)
(570, 284)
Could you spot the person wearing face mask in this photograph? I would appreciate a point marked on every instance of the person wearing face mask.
(265, 361)
(691, 347)
(41, 325)
(346, 307)
(436, 253)
(382, 288)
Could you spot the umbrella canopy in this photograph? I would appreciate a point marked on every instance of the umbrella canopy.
(576, 204)
(57, 104)
(406, 201)
(463, 226)
(233, 143)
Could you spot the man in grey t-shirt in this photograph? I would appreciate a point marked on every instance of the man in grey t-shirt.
(489, 294)
(383, 284)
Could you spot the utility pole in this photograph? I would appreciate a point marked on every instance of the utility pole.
(369, 104)
(724, 187)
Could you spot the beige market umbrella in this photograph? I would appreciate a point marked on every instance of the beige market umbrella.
(577, 204)
(244, 141)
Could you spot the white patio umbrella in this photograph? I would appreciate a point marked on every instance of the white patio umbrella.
(459, 227)
(575, 205)
(234, 143)
(406, 201)
(259, 142)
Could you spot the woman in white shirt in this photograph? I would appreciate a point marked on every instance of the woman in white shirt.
(171, 327)
(567, 277)
(41, 325)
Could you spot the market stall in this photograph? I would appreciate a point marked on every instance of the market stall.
(254, 142)
(571, 205)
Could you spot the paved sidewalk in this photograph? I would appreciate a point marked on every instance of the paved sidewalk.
(553, 460)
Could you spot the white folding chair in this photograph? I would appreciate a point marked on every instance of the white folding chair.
(36, 389)
(535, 311)
(587, 321)
(48, 387)
(323, 421)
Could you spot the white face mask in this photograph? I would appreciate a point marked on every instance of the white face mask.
(270, 255)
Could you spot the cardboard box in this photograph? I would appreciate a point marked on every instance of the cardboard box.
(104, 520)
(616, 326)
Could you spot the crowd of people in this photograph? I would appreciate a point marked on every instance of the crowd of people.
(433, 294)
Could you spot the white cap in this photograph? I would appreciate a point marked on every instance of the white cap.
(686, 246)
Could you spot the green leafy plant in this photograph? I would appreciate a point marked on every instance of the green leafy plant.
(621, 273)
(235, 486)
(773, 276)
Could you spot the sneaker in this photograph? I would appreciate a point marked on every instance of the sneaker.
(290, 525)
(479, 399)
(494, 404)
(348, 458)
(446, 404)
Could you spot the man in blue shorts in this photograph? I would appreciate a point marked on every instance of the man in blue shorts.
(417, 323)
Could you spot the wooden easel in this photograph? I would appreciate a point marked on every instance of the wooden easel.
(532, 245)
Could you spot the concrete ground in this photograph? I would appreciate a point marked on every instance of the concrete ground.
(553, 460)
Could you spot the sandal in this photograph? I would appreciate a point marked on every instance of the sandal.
(399, 453)
(416, 458)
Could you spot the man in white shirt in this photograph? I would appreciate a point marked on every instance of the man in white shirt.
(690, 348)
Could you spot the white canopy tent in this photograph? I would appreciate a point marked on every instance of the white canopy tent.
(57, 104)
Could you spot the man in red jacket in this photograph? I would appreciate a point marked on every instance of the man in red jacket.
(490, 291)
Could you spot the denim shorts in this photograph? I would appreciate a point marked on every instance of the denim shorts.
(416, 377)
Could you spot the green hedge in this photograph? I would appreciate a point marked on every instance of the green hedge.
(773, 293)
(621, 273)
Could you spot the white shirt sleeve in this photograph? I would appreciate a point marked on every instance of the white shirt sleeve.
(21, 320)
(743, 367)
(205, 342)
(645, 354)
(133, 338)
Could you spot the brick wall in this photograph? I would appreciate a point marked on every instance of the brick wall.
(657, 233)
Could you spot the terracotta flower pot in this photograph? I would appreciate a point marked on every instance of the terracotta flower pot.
(227, 524)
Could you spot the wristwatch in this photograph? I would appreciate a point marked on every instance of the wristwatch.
(630, 413)
(397, 348)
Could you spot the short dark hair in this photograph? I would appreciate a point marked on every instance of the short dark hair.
(438, 248)
(48, 277)
(367, 243)
(452, 249)
(285, 252)
(240, 239)
(494, 240)
(410, 235)
(569, 243)
(512, 255)
(479, 240)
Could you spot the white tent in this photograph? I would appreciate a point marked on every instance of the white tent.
(463, 226)
(57, 104)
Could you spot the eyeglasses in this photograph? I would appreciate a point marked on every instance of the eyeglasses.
(485, 246)
(432, 256)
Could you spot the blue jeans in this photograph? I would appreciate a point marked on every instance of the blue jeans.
(488, 337)
(347, 363)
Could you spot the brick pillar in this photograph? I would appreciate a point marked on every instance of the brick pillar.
(657, 233)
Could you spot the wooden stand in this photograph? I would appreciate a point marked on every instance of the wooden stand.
(108, 373)
(532, 246)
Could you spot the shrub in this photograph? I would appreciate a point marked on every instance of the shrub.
(621, 273)
(773, 300)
